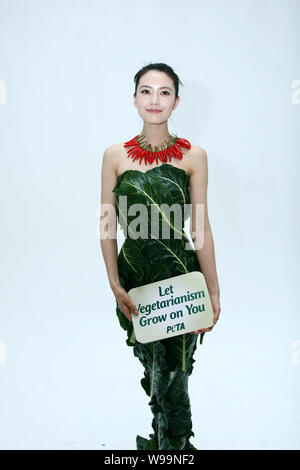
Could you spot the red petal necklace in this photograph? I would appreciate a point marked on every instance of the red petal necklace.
(140, 149)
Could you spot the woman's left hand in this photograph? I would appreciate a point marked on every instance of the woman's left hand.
(215, 302)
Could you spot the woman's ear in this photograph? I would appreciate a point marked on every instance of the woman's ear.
(176, 102)
(134, 100)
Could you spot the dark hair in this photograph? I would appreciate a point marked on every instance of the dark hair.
(161, 68)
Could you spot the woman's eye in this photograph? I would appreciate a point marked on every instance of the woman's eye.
(165, 91)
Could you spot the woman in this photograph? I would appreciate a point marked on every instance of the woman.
(154, 168)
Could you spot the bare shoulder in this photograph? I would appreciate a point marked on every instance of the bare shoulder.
(113, 150)
(198, 160)
(111, 156)
(198, 152)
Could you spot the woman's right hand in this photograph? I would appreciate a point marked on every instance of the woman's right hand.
(125, 303)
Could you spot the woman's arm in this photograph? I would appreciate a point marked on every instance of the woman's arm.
(200, 229)
(108, 230)
(108, 220)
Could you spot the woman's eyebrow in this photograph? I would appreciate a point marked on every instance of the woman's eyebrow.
(147, 86)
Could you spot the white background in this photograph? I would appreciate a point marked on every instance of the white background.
(67, 378)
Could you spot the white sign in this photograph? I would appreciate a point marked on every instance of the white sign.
(171, 307)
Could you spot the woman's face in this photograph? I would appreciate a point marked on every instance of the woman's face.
(155, 91)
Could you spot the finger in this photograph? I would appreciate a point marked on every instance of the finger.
(134, 309)
(126, 312)
(204, 330)
(128, 316)
(198, 331)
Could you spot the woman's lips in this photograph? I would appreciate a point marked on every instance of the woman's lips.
(153, 110)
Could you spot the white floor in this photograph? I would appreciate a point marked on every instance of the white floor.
(78, 387)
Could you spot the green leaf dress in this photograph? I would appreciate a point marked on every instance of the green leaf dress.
(169, 362)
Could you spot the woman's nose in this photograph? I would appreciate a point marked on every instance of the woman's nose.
(155, 99)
